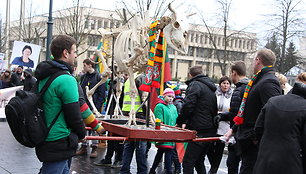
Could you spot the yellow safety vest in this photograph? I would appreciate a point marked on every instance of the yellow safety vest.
(127, 99)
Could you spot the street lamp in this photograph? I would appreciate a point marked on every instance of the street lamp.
(49, 31)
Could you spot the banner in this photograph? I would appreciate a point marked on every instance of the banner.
(25, 54)
(5, 96)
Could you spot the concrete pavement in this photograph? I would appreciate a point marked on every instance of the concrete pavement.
(17, 159)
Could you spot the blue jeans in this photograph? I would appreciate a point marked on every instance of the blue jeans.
(93, 142)
(128, 151)
(58, 167)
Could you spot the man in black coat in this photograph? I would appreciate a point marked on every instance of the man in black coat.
(29, 81)
(265, 86)
(90, 79)
(17, 78)
(197, 113)
(282, 125)
(238, 76)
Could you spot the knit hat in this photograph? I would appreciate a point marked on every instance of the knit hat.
(175, 88)
(168, 91)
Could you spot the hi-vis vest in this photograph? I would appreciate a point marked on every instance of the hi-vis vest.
(127, 99)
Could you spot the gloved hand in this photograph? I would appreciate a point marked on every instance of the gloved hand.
(217, 119)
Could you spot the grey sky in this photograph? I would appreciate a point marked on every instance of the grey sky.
(244, 14)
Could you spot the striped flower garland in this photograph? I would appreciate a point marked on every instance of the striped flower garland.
(239, 118)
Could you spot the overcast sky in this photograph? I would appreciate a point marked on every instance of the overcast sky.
(244, 14)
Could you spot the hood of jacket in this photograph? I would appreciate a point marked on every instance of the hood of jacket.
(299, 89)
(161, 99)
(203, 79)
(47, 68)
(227, 94)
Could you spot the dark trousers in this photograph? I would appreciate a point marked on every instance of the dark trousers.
(248, 157)
(194, 157)
(175, 159)
(214, 156)
(112, 147)
(233, 160)
(168, 159)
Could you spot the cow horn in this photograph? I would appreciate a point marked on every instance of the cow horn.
(173, 11)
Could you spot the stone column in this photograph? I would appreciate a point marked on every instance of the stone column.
(194, 56)
(211, 64)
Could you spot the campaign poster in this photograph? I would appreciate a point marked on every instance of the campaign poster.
(3, 63)
(25, 54)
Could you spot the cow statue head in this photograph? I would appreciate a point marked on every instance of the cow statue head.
(175, 32)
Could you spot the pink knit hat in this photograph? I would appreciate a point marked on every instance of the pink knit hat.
(168, 91)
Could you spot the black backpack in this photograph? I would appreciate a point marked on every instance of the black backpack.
(25, 115)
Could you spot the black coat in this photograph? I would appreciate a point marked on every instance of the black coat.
(16, 79)
(264, 87)
(29, 82)
(200, 105)
(91, 80)
(283, 124)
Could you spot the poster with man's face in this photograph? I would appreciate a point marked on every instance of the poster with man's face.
(25, 54)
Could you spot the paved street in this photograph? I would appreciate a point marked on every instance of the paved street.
(17, 159)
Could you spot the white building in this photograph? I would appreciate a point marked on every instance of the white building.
(92, 21)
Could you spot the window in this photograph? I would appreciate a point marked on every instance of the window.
(190, 51)
(99, 23)
(117, 24)
(220, 54)
(206, 39)
(207, 53)
(111, 24)
(86, 23)
(218, 41)
(105, 24)
(200, 52)
(191, 37)
(93, 24)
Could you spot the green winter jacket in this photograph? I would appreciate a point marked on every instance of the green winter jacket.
(63, 90)
(167, 113)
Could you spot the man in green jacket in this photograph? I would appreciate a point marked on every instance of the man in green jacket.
(61, 97)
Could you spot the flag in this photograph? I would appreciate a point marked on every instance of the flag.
(99, 67)
(158, 66)
(181, 149)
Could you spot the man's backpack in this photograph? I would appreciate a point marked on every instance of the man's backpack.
(25, 115)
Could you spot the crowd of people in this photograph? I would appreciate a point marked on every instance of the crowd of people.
(17, 77)
(262, 130)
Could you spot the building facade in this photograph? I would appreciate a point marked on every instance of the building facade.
(207, 46)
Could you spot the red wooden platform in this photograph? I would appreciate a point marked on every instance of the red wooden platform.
(141, 132)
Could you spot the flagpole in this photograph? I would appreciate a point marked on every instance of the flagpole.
(162, 77)
(49, 31)
(7, 31)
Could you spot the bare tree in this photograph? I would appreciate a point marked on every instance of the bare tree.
(30, 29)
(222, 52)
(1, 36)
(74, 22)
(141, 7)
(287, 24)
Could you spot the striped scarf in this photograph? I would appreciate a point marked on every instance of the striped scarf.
(239, 118)
(155, 60)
